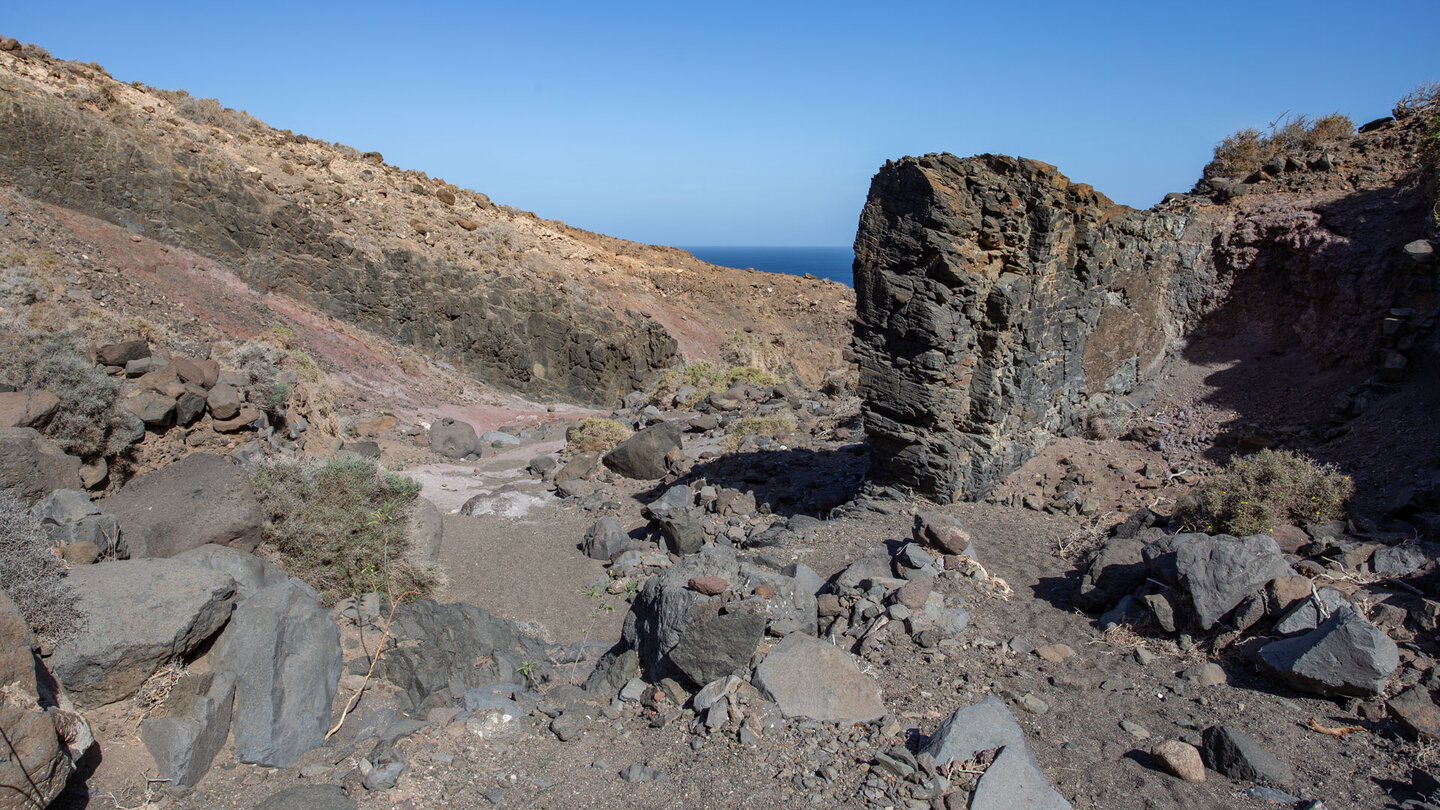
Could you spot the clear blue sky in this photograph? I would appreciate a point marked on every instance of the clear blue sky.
(743, 123)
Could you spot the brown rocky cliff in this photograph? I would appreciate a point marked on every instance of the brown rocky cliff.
(1000, 305)
(524, 303)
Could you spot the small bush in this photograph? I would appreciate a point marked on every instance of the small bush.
(706, 378)
(1244, 152)
(32, 574)
(58, 363)
(595, 435)
(762, 426)
(1255, 493)
(340, 524)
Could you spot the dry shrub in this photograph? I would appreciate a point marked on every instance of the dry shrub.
(340, 525)
(595, 435)
(32, 574)
(1244, 152)
(31, 359)
(1255, 493)
(1419, 100)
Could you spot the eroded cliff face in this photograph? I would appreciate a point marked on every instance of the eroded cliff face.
(1000, 305)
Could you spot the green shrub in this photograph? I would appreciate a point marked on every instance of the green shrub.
(340, 525)
(706, 378)
(32, 574)
(58, 363)
(1244, 152)
(1255, 493)
(595, 435)
(757, 426)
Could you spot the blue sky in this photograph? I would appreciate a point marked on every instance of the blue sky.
(757, 123)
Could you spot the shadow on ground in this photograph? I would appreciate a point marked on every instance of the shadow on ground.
(791, 482)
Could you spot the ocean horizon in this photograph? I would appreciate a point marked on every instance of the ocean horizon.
(833, 263)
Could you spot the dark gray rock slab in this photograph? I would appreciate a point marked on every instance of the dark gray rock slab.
(1117, 570)
(285, 652)
(250, 573)
(453, 439)
(1345, 656)
(203, 498)
(986, 726)
(717, 647)
(642, 456)
(33, 466)
(309, 797)
(185, 741)
(1239, 756)
(807, 677)
(604, 539)
(139, 615)
(1219, 572)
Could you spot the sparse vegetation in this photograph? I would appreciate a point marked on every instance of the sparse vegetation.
(757, 426)
(1244, 152)
(32, 574)
(595, 435)
(340, 525)
(706, 378)
(57, 362)
(1255, 493)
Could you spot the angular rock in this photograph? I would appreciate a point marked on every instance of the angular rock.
(139, 615)
(196, 723)
(717, 647)
(1240, 756)
(986, 726)
(285, 653)
(223, 402)
(807, 677)
(1307, 614)
(445, 650)
(1345, 656)
(1117, 570)
(604, 539)
(33, 466)
(251, 574)
(154, 409)
(942, 532)
(203, 498)
(1219, 572)
(43, 735)
(118, 354)
(642, 456)
(683, 534)
(189, 407)
(453, 439)
(1415, 708)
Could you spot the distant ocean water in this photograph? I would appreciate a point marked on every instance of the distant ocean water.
(826, 262)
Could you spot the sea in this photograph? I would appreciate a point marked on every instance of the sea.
(826, 262)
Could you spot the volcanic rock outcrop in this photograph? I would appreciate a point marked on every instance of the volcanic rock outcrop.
(1001, 304)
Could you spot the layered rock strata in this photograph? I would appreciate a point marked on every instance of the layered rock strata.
(1000, 304)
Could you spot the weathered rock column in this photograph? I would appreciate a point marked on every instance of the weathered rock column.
(997, 304)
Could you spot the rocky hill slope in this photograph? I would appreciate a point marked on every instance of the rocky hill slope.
(527, 304)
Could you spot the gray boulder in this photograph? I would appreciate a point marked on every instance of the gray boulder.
(1117, 570)
(1345, 656)
(1219, 572)
(203, 498)
(668, 612)
(285, 653)
(223, 402)
(453, 439)
(496, 438)
(68, 517)
(683, 533)
(1014, 779)
(942, 532)
(139, 615)
(604, 539)
(118, 354)
(193, 729)
(443, 651)
(251, 574)
(33, 466)
(1240, 756)
(642, 456)
(1308, 613)
(807, 677)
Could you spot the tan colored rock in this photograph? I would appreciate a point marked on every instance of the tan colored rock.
(242, 420)
(1180, 759)
(710, 586)
(374, 426)
(1055, 653)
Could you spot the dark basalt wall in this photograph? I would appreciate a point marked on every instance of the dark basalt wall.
(1001, 305)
